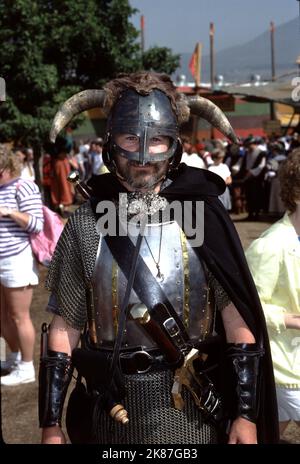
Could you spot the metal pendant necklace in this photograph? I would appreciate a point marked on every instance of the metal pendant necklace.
(159, 276)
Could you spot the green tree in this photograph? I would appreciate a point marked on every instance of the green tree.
(160, 59)
(55, 48)
(52, 49)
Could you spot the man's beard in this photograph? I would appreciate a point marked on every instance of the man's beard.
(141, 178)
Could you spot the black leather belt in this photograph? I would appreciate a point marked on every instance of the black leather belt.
(140, 362)
(135, 360)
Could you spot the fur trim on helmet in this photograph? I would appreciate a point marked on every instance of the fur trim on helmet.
(144, 82)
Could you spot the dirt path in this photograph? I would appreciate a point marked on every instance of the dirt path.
(19, 404)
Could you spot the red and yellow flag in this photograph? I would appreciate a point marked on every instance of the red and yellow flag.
(195, 63)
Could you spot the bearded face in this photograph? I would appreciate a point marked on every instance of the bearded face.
(141, 176)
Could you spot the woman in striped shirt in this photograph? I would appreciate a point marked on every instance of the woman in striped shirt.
(21, 214)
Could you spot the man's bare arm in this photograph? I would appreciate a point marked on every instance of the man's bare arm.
(62, 337)
(236, 329)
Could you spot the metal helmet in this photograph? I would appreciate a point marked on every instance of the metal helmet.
(143, 115)
(146, 117)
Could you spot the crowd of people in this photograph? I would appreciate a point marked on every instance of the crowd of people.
(249, 169)
(84, 158)
(89, 278)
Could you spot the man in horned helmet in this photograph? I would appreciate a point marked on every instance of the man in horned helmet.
(174, 347)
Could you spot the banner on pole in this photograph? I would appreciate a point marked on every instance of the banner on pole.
(195, 64)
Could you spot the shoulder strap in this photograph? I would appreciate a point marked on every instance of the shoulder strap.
(122, 249)
(131, 270)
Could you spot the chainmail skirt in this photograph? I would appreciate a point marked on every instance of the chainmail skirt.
(152, 416)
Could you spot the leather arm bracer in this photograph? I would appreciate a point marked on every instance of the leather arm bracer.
(245, 359)
(54, 377)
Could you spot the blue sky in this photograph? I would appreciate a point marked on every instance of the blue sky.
(179, 24)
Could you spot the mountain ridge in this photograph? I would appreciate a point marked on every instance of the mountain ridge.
(239, 62)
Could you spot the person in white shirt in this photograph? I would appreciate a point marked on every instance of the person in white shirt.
(223, 171)
(189, 157)
(26, 156)
(95, 156)
(274, 261)
(204, 154)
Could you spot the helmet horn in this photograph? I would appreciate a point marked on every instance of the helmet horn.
(212, 113)
(78, 103)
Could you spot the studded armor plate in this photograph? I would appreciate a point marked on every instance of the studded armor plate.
(183, 281)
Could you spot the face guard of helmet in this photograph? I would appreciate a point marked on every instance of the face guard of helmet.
(142, 128)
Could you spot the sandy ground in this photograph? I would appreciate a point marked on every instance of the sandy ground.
(19, 414)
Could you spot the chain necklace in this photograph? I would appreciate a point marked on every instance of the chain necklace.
(160, 277)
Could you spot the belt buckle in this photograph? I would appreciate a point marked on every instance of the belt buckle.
(171, 327)
(142, 360)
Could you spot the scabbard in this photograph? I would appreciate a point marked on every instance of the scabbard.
(44, 341)
(171, 352)
(80, 186)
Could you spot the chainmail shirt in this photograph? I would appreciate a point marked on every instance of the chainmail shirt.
(72, 266)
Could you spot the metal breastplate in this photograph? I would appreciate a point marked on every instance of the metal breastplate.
(184, 283)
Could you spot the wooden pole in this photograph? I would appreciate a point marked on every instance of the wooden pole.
(212, 55)
(198, 61)
(142, 33)
(273, 74)
(212, 67)
(272, 30)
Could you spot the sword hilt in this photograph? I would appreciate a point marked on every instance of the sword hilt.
(80, 186)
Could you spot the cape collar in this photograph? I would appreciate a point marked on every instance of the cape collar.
(186, 182)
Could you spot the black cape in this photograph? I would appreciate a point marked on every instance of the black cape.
(223, 254)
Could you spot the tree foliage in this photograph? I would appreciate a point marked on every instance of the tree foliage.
(52, 49)
(160, 59)
(55, 48)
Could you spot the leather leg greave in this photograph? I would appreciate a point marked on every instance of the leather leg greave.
(246, 359)
(54, 377)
